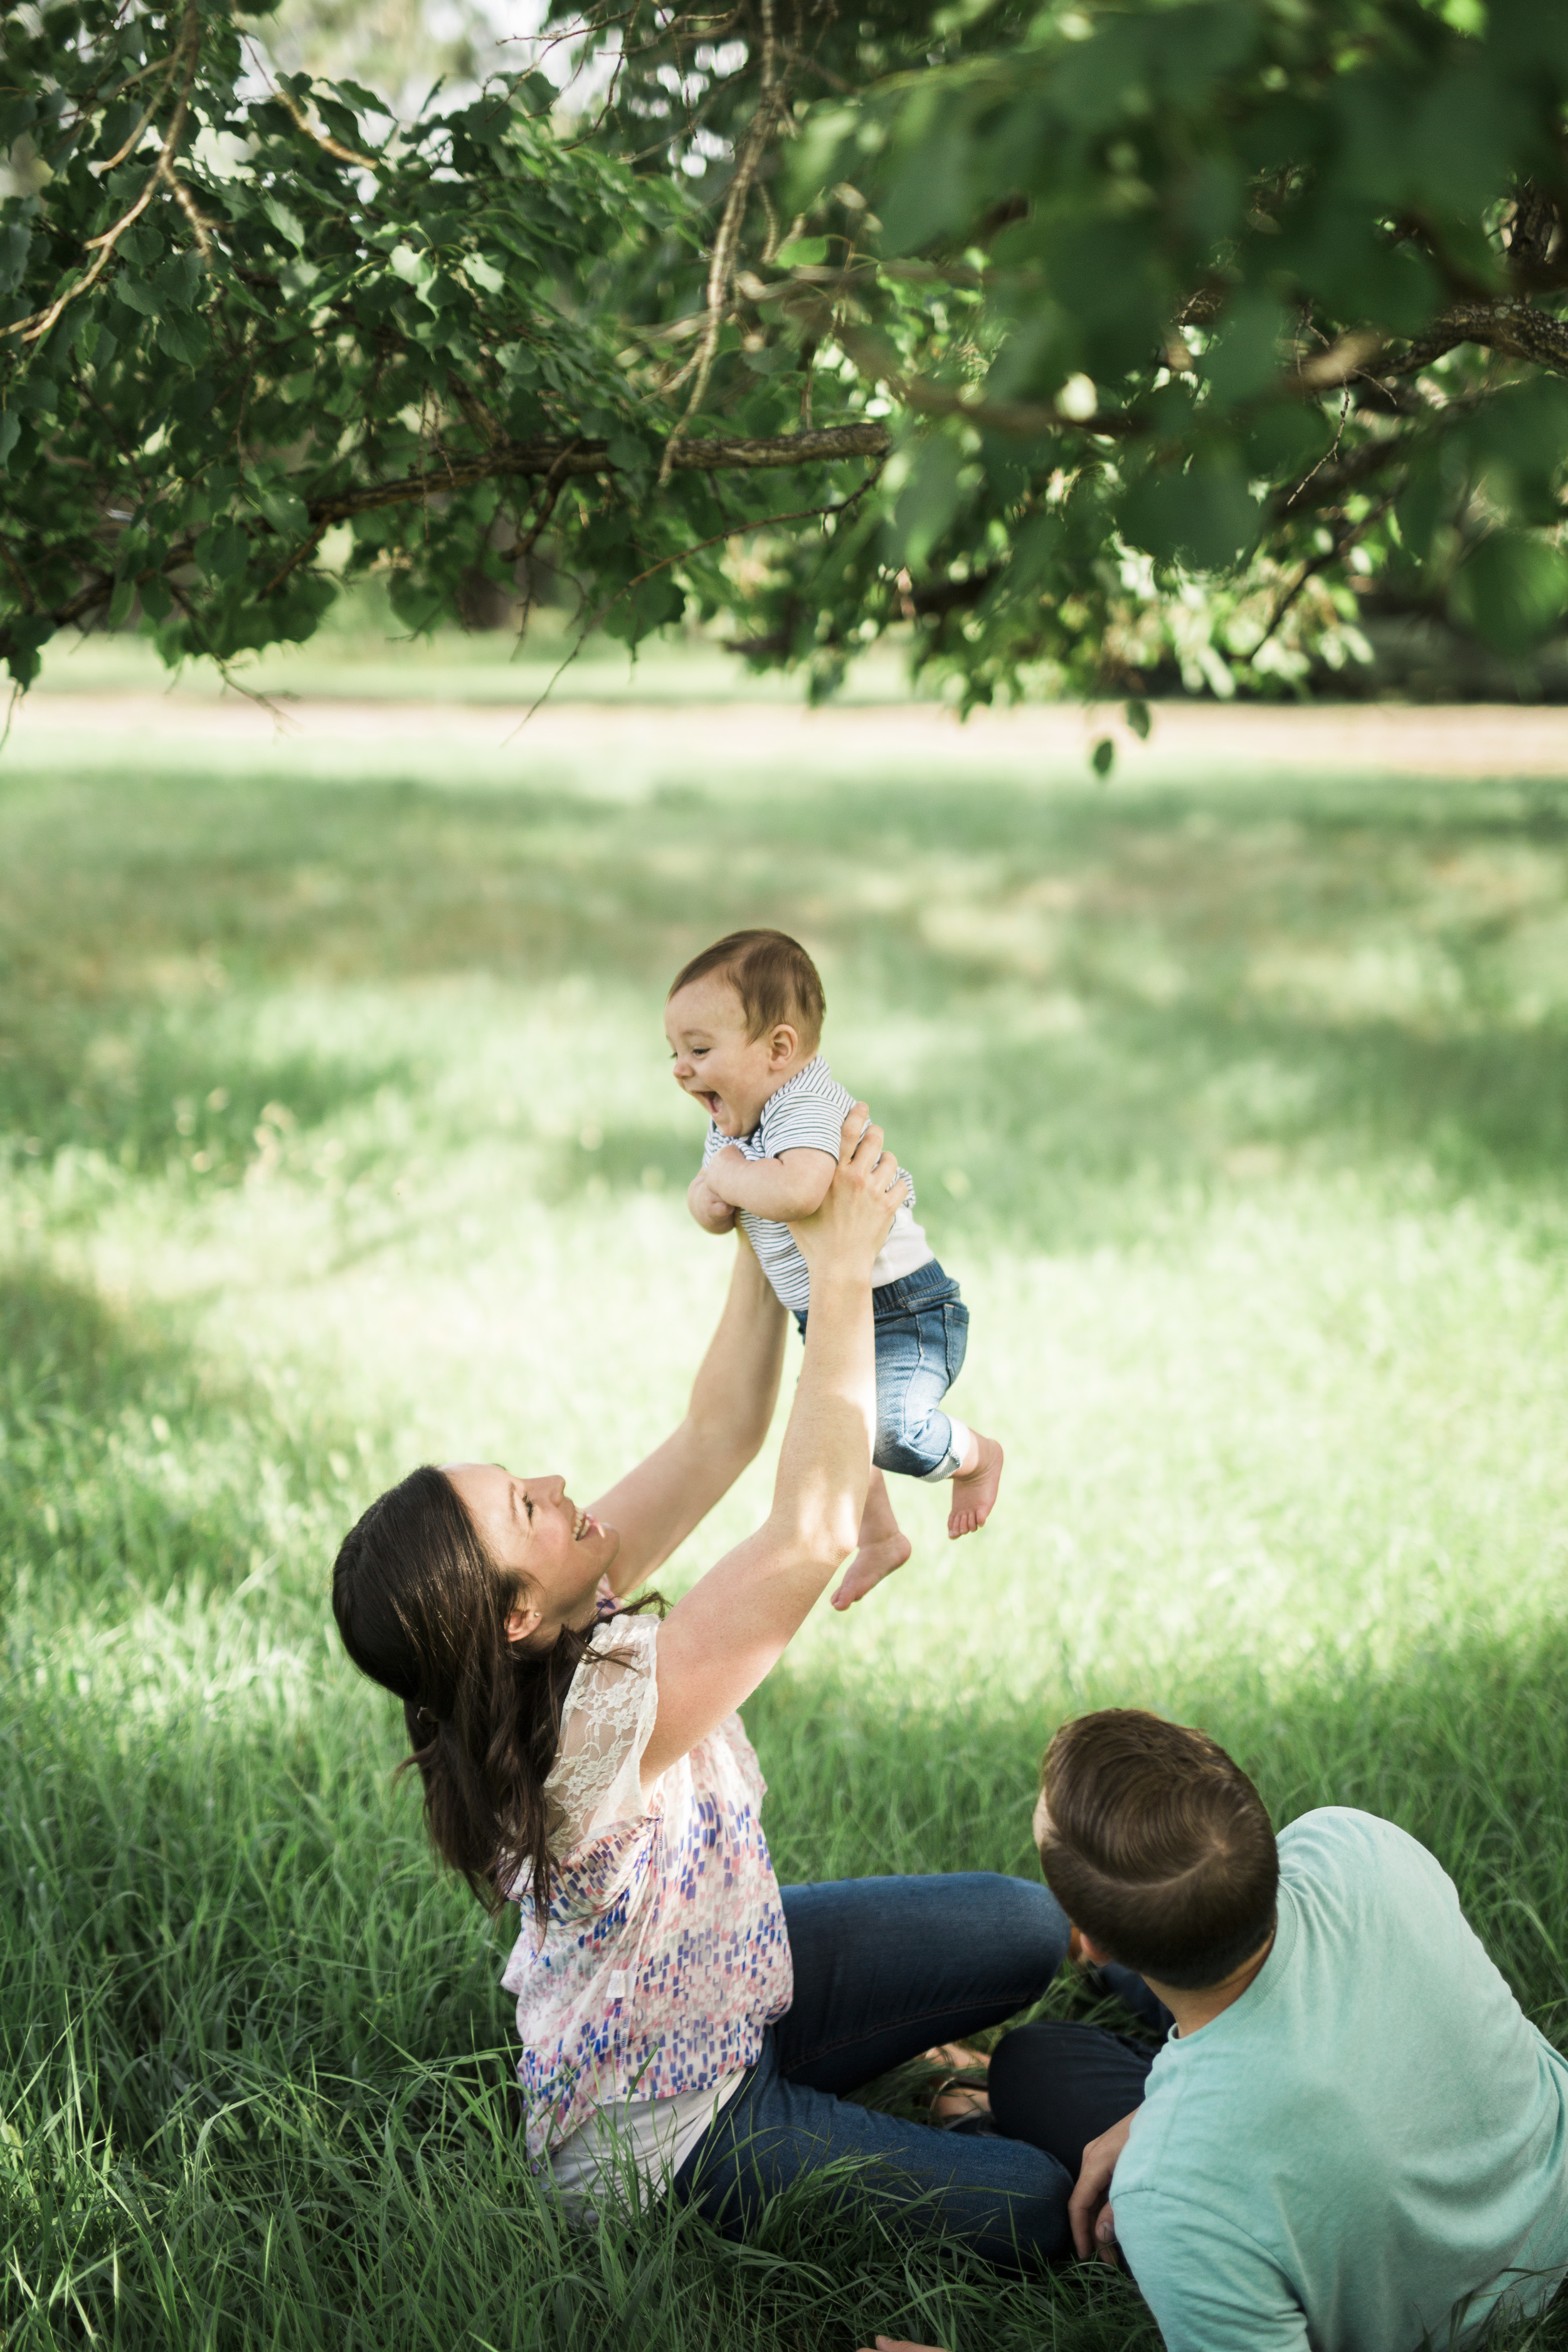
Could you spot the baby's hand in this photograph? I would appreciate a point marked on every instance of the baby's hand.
(714, 1215)
(713, 1174)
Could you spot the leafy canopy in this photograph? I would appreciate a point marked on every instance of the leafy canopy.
(1076, 338)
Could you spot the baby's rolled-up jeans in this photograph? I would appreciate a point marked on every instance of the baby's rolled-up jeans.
(921, 1332)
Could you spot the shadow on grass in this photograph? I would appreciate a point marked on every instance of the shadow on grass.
(129, 1472)
(152, 1090)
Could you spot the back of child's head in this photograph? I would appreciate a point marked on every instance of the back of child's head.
(773, 977)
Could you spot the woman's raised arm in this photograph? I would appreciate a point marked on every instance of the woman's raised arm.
(655, 1506)
(723, 1636)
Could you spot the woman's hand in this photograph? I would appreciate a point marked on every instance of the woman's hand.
(857, 1214)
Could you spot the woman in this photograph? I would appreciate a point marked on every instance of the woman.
(684, 2024)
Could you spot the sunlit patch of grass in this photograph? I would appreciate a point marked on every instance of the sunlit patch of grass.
(335, 1133)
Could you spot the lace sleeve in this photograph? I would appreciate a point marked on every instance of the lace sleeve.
(608, 1719)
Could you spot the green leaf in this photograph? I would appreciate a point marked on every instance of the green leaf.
(625, 449)
(929, 195)
(1510, 589)
(1467, 128)
(16, 238)
(1244, 358)
(1137, 718)
(818, 157)
(1425, 503)
(927, 503)
(136, 294)
(802, 252)
(222, 553)
(1204, 517)
(285, 510)
(1103, 756)
(28, 633)
(484, 273)
(143, 245)
(10, 427)
(18, 112)
(178, 281)
(185, 339)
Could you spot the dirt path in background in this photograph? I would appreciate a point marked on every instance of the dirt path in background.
(1466, 740)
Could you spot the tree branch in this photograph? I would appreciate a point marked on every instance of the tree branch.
(556, 460)
(712, 451)
(1516, 328)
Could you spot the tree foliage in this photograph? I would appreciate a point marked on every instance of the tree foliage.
(1073, 338)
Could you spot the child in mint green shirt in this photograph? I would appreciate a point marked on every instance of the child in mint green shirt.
(1370, 2146)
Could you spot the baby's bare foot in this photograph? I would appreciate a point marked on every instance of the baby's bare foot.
(870, 1564)
(975, 1491)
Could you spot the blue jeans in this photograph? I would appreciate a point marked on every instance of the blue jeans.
(883, 1968)
(922, 1328)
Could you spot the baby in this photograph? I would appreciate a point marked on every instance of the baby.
(742, 1020)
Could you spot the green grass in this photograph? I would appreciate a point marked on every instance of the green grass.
(335, 1133)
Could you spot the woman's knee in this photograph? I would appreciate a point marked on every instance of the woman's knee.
(1015, 1922)
(1019, 1915)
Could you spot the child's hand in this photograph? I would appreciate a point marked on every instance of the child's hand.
(714, 1215)
(729, 1160)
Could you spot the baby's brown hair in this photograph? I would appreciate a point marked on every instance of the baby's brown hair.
(772, 974)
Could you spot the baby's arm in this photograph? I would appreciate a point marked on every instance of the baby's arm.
(714, 1215)
(793, 1185)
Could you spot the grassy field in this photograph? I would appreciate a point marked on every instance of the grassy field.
(335, 1133)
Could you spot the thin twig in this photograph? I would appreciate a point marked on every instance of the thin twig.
(1340, 547)
(29, 601)
(324, 138)
(737, 530)
(306, 549)
(128, 146)
(1331, 452)
(522, 549)
(721, 264)
(32, 329)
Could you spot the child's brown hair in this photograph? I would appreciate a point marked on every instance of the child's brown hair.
(773, 977)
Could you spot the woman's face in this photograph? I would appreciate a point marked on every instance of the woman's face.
(531, 1527)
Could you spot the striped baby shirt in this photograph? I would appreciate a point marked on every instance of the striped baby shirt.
(809, 1109)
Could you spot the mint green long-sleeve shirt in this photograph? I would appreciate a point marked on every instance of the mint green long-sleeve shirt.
(1370, 2147)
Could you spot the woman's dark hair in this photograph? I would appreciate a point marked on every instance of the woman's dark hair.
(1158, 1846)
(423, 1608)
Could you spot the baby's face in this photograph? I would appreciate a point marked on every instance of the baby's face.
(730, 1074)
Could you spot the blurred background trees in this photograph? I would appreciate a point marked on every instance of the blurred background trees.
(1104, 346)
